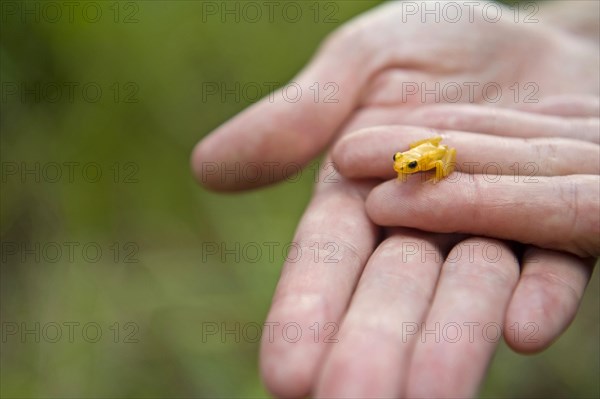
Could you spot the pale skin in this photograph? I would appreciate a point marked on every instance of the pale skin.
(371, 290)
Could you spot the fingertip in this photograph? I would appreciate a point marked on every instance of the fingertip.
(281, 380)
(377, 202)
(233, 158)
(196, 164)
(525, 336)
(209, 165)
(344, 157)
(289, 358)
(532, 330)
(546, 299)
(517, 343)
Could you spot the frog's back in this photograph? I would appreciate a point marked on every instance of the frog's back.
(430, 151)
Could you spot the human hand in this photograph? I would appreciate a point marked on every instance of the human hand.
(370, 60)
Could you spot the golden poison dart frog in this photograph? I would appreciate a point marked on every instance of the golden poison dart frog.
(425, 155)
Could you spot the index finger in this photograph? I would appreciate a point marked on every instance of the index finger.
(291, 125)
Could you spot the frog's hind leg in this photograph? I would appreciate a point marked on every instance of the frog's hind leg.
(433, 140)
(445, 166)
(449, 161)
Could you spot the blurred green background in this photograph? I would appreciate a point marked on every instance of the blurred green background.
(150, 289)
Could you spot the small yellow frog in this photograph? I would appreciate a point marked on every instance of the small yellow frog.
(425, 155)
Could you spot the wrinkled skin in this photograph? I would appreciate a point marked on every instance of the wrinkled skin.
(427, 265)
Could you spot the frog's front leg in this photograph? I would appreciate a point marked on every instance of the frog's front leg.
(402, 177)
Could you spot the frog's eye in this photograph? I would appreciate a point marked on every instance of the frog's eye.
(394, 157)
(412, 164)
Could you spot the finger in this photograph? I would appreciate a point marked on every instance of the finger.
(393, 295)
(335, 238)
(546, 299)
(489, 120)
(464, 325)
(551, 212)
(368, 153)
(574, 106)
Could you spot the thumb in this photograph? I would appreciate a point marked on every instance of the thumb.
(285, 130)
